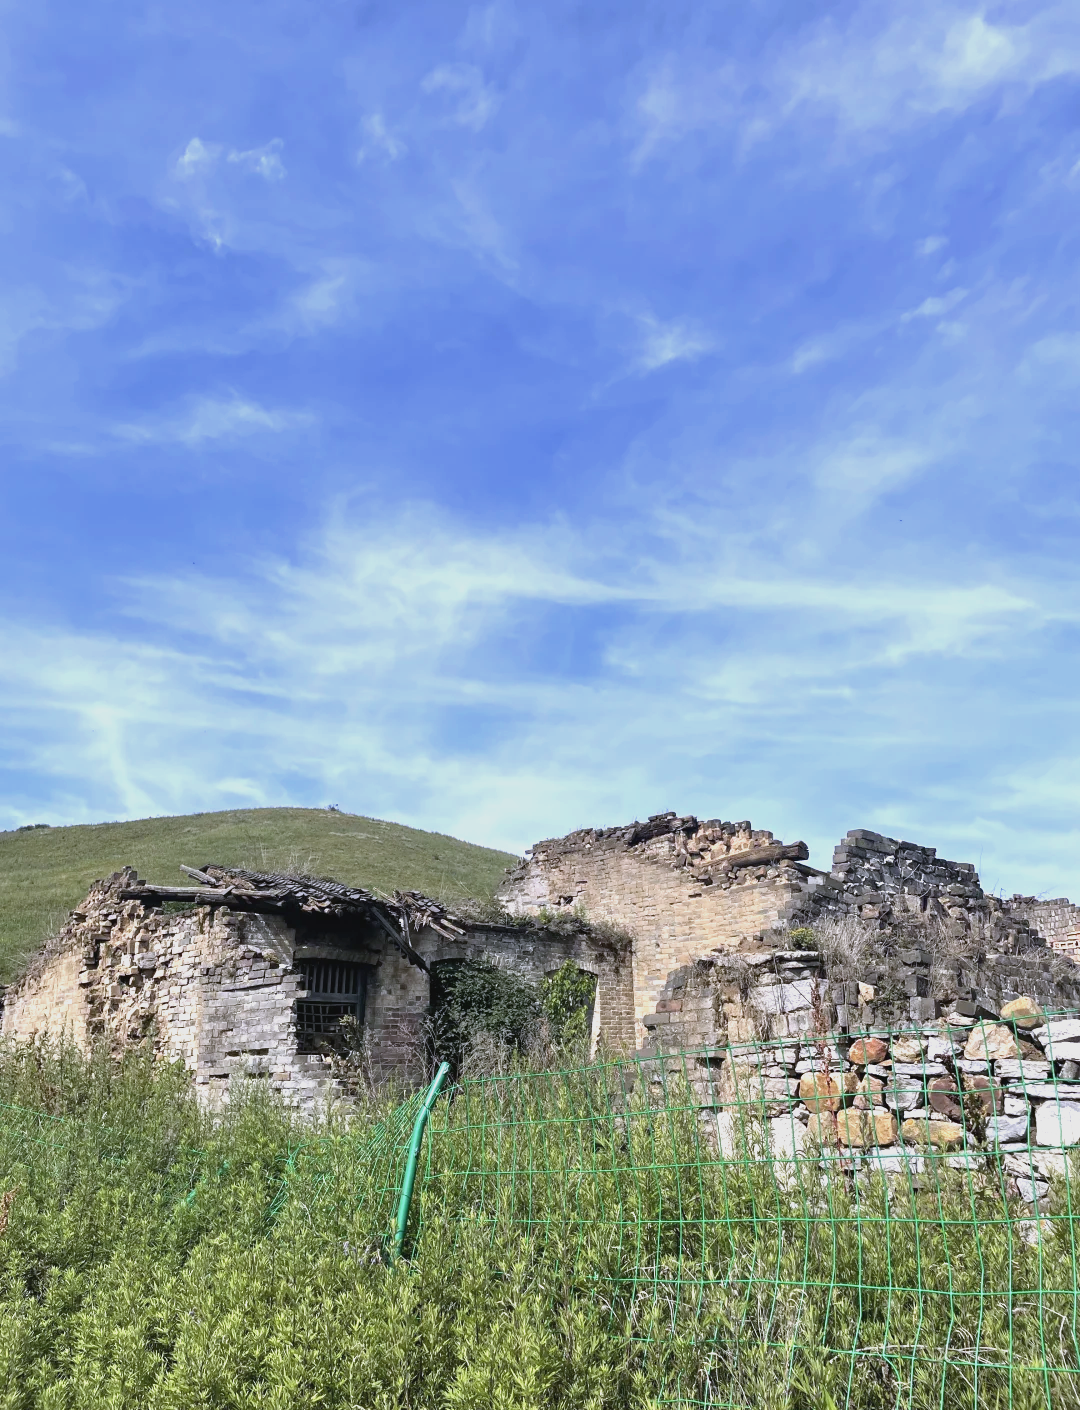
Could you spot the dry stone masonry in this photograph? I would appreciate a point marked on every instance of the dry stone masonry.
(768, 1039)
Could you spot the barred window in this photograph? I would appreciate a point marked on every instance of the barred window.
(332, 990)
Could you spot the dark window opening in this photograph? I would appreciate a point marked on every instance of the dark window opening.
(333, 991)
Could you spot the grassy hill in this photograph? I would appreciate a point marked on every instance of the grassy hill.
(45, 872)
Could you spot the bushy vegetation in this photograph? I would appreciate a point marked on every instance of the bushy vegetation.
(44, 872)
(481, 1008)
(575, 1245)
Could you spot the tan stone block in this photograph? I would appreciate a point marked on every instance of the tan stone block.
(884, 1124)
(853, 1128)
(822, 1092)
(865, 1050)
(821, 1130)
(1024, 1012)
(867, 993)
(907, 1049)
(866, 1129)
(945, 1135)
(869, 1093)
(991, 1040)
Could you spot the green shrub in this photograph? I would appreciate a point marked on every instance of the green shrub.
(566, 999)
(575, 1244)
(473, 997)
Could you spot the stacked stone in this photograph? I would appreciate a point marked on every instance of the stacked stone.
(899, 885)
(963, 1089)
(729, 998)
(881, 868)
(721, 999)
(758, 1034)
(911, 984)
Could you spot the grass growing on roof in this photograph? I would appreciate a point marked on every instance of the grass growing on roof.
(45, 872)
(575, 1244)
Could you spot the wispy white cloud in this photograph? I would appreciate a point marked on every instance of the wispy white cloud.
(674, 341)
(683, 93)
(413, 639)
(199, 188)
(474, 101)
(196, 158)
(469, 220)
(263, 161)
(936, 306)
(1054, 358)
(329, 297)
(80, 298)
(880, 67)
(929, 59)
(199, 158)
(379, 141)
(212, 418)
(832, 345)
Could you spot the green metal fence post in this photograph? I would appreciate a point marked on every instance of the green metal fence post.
(409, 1179)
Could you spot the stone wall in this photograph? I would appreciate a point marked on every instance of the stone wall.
(758, 1039)
(686, 889)
(904, 888)
(780, 993)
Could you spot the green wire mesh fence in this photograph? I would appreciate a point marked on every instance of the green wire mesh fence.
(800, 1223)
(758, 1232)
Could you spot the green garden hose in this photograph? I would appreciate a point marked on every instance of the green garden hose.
(409, 1179)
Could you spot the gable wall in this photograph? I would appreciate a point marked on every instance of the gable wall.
(671, 892)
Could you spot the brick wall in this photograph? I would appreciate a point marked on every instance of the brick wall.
(1057, 921)
(218, 988)
(214, 988)
(675, 884)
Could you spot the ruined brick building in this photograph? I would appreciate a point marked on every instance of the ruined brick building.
(249, 973)
(689, 890)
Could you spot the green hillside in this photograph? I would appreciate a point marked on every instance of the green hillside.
(45, 872)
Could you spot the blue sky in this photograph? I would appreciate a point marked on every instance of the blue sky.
(518, 417)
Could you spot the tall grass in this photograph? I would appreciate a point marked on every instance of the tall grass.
(575, 1244)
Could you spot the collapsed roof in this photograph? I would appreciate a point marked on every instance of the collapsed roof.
(400, 916)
